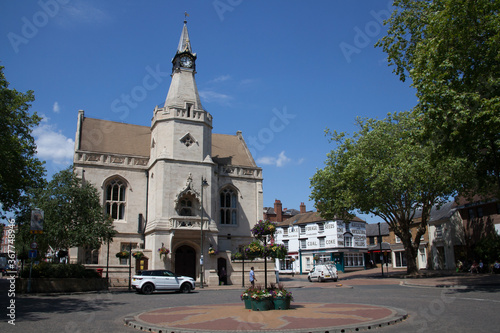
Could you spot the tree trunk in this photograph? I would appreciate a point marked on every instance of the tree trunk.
(411, 260)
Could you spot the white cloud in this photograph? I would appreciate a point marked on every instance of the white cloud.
(56, 108)
(81, 12)
(246, 82)
(53, 146)
(210, 96)
(279, 161)
(220, 78)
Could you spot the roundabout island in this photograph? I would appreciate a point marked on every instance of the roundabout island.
(233, 317)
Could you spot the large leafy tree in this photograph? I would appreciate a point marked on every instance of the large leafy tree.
(450, 49)
(20, 170)
(385, 169)
(73, 214)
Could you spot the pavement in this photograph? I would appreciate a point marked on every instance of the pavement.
(305, 317)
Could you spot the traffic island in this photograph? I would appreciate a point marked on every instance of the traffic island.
(301, 317)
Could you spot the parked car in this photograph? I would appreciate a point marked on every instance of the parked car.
(323, 272)
(151, 280)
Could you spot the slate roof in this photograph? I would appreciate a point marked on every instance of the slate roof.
(104, 136)
(372, 229)
(310, 217)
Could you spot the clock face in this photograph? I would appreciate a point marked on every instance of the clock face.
(186, 61)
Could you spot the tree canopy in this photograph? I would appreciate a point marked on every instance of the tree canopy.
(451, 51)
(20, 170)
(73, 214)
(388, 170)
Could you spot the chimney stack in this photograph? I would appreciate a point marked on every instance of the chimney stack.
(278, 210)
(302, 208)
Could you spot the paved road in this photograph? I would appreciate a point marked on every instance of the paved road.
(430, 309)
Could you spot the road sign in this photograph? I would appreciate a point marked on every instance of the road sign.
(32, 254)
(34, 245)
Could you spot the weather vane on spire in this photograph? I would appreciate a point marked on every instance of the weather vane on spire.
(186, 15)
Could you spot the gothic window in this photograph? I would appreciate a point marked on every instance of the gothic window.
(115, 199)
(228, 206)
(186, 207)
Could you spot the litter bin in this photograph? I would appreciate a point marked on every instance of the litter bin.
(99, 270)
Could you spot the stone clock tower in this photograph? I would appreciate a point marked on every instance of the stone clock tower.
(181, 142)
(159, 182)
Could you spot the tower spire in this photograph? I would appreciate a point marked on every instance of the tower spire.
(184, 43)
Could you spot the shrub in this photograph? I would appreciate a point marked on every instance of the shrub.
(49, 270)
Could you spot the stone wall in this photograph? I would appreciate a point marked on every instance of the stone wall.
(240, 269)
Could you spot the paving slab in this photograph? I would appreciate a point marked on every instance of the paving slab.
(233, 317)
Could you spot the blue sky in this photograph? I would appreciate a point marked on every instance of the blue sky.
(279, 71)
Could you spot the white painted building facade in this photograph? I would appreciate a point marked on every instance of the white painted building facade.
(311, 239)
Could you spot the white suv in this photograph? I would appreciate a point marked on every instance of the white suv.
(323, 272)
(148, 281)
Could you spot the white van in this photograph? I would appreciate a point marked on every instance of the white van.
(323, 272)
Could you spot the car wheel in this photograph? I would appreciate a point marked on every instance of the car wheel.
(335, 280)
(309, 278)
(147, 289)
(186, 288)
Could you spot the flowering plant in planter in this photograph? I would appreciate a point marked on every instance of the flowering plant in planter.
(263, 294)
(163, 251)
(247, 293)
(281, 292)
(263, 228)
(138, 255)
(123, 254)
(237, 256)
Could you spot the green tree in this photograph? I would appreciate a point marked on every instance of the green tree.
(387, 170)
(73, 214)
(451, 51)
(20, 170)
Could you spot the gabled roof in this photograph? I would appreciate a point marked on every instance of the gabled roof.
(437, 214)
(310, 217)
(231, 150)
(372, 229)
(104, 136)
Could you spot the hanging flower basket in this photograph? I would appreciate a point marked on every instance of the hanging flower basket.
(138, 255)
(254, 250)
(123, 254)
(212, 251)
(163, 251)
(276, 251)
(263, 228)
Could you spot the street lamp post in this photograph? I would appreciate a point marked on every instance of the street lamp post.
(381, 254)
(203, 184)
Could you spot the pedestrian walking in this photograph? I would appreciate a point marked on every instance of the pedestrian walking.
(252, 277)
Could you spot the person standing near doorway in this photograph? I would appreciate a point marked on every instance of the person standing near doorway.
(252, 277)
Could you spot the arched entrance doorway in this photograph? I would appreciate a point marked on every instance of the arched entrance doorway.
(222, 270)
(185, 261)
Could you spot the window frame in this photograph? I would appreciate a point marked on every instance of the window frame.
(228, 212)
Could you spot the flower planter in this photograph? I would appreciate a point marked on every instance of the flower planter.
(261, 305)
(248, 303)
(281, 303)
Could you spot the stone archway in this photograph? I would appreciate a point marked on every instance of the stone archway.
(185, 261)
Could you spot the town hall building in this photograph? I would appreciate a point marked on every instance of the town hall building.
(173, 185)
